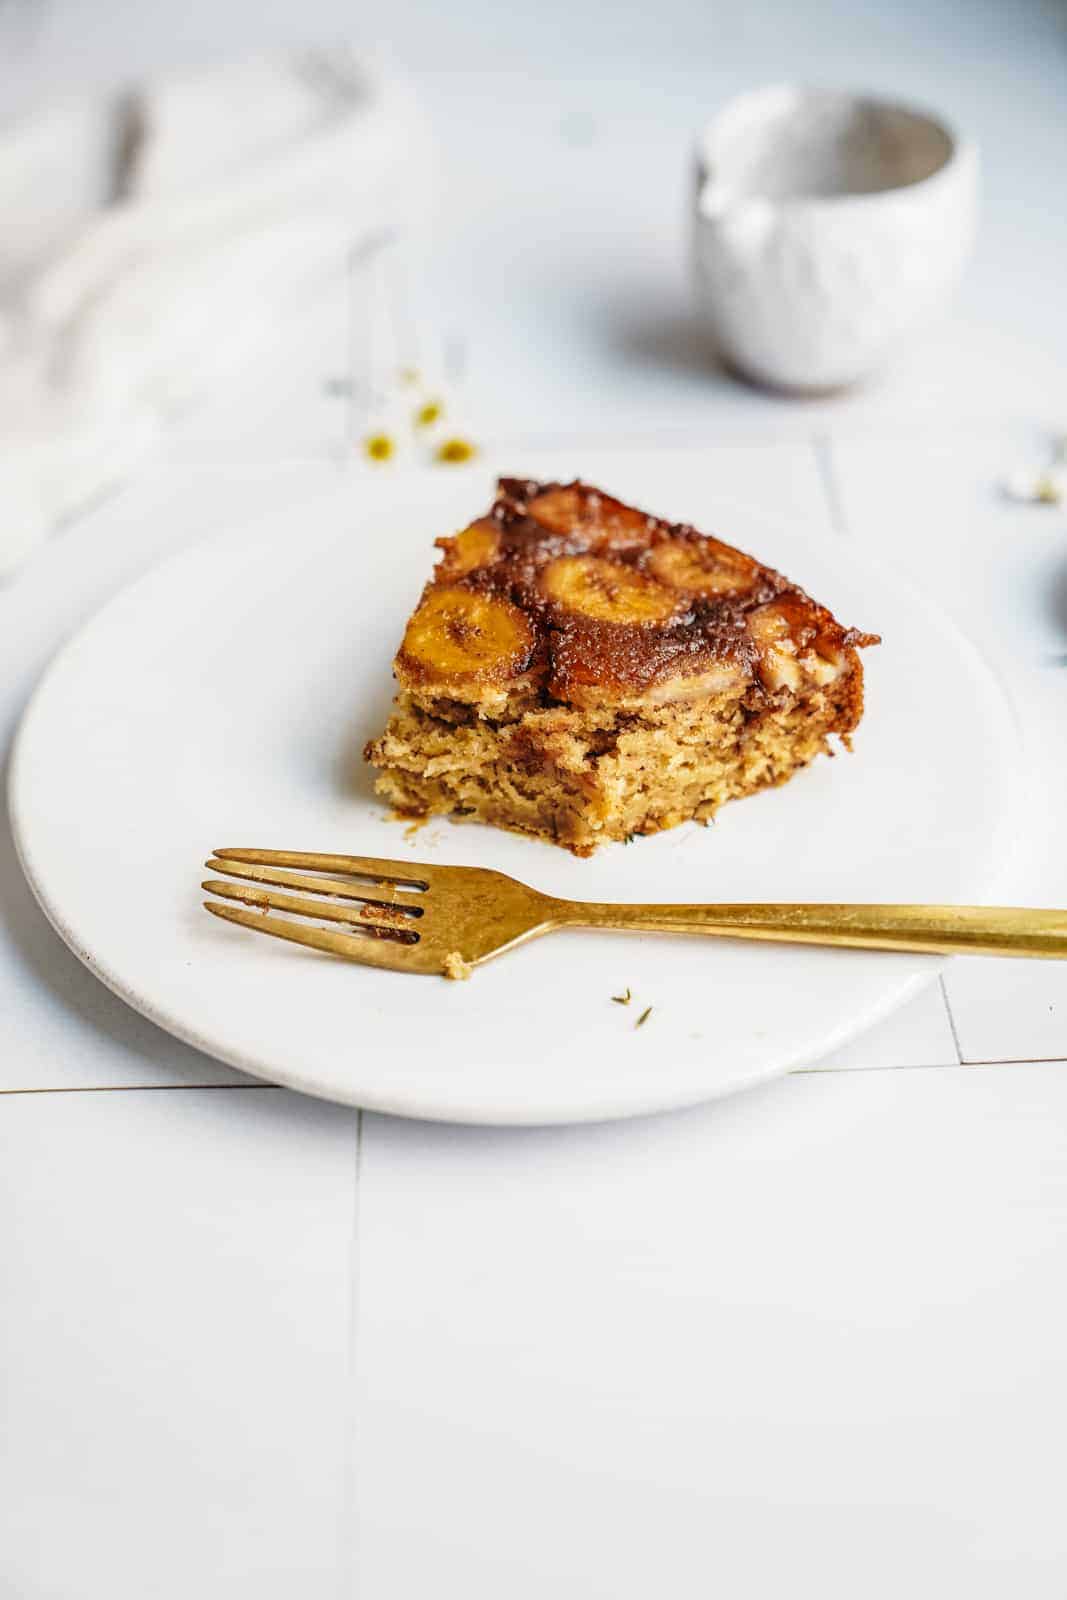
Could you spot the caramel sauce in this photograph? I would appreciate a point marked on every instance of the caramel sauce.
(688, 613)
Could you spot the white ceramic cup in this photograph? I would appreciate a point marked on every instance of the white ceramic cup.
(826, 227)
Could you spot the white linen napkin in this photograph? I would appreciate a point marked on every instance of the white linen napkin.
(156, 241)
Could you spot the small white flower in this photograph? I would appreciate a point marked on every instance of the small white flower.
(1039, 488)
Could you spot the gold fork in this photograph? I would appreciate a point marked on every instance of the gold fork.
(416, 918)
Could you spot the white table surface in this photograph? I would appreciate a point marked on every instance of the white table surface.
(808, 1340)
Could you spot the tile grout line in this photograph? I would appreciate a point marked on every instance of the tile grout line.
(1014, 1061)
(140, 1088)
(348, 1533)
(829, 1072)
(909, 1066)
(951, 1018)
(916, 1066)
(936, 1066)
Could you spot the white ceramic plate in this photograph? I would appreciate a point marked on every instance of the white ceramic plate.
(224, 700)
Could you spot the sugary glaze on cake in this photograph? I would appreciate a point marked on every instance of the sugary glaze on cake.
(562, 591)
(580, 671)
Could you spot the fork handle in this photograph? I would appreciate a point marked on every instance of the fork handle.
(940, 930)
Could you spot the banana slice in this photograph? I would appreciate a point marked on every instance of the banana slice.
(458, 635)
(792, 647)
(824, 664)
(558, 510)
(703, 567)
(606, 590)
(601, 522)
(474, 547)
(770, 632)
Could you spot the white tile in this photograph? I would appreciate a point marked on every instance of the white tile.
(175, 1344)
(918, 1034)
(809, 1339)
(1000, 570)
(1018, 1013)
(932, 506)
(1017, 1010)
(60, 1027)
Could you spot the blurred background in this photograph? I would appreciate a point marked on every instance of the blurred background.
(537, 169)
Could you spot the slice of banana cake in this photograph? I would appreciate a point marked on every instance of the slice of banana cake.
(581, 671)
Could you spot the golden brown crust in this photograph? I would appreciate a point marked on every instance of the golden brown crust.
(620, 607)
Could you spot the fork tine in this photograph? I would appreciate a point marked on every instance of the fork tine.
(399, 872)
(301, 907)
(378, 894)
(352, 946)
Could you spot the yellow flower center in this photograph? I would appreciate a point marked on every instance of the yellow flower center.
(378, 447)
(452, 451)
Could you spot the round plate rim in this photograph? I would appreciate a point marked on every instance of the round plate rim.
(485, 1113)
